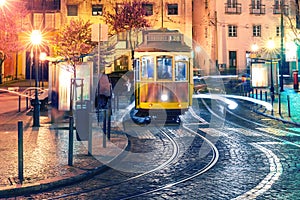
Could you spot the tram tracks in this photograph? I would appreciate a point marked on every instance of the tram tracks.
(253, 128)
(176, 167)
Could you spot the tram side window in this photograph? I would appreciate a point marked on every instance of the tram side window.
(148, 67)
(137, 69)
(164, 67)
(180, 71)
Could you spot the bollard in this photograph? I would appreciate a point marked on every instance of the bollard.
(266, 96)
(289, 108)
(71, 140)
(109, 111)
(256, 94)
(90, 144)
(104, 128)
(279, 103)
(19, 103)
(261, 95)
(20, 151)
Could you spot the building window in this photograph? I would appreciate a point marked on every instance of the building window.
(256, 4)
(97, 10)
(232, 3)
(256, 30)
(232, 62)
(277, 31)
(148, 8)
(38, 20)
(232, 31)
(50, 21)
(172, 9)
(72, 10)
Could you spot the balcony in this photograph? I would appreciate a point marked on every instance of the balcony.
(277, 9)
(235, 8)
(43, 5)
(258, 9)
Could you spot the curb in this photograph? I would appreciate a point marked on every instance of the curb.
(19, 190)
(276, 118)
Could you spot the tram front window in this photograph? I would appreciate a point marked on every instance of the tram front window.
(148, 67)
(180, 71)
(164, 67)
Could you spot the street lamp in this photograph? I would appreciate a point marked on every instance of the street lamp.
(2, 2)
(36, 40)
(271, 47)
(43, 56)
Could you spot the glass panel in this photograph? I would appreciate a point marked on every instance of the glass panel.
(38, 20)
(180, 71)
(97, 10)
(148, 67)
(49, 22)
(72, 10)
(164, 67)
(137, 69)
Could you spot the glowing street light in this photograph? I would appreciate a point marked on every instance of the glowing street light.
(36, 40)
(43, 56)
(271, 47)
(2, 2)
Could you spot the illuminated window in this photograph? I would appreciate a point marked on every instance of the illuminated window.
(164, 67)
(148, 67)
(172, 9)
(181, 67)
(97, 10)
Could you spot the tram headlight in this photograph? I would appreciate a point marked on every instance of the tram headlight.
(164, 97)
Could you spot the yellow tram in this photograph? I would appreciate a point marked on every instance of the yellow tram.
(163, 75)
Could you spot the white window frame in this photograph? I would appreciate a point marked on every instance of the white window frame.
(232, 31)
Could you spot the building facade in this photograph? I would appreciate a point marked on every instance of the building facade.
(229, 29)
(225, 29)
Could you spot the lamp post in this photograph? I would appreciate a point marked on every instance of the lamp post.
(43, 56)
(271, 47)
(36, 39)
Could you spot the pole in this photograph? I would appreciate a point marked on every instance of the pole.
(282, 60)
(104, 128)
(90, 140)
(71, 140)
(42, 74)
(20, 151)
(36, 106)
(272, 83)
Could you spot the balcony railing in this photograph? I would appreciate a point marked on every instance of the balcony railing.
(257, 9)
(235, 8)
(277, 9)
(42, 5)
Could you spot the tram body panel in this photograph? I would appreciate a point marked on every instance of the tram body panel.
(155, 90)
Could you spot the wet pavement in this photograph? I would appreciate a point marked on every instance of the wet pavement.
(46, 153)
(46, 148)
(286, 106)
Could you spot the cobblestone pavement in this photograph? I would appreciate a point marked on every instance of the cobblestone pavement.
(45, 153)
(286, 106)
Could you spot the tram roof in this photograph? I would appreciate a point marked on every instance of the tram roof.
(163, 40)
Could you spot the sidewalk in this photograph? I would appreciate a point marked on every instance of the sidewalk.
(286, 109)
(46, 154)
